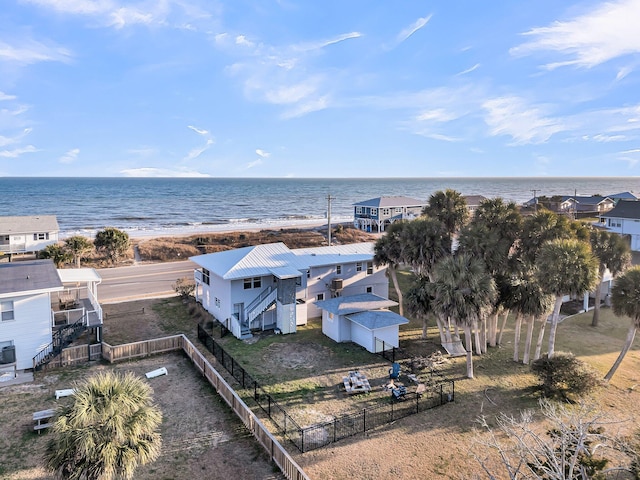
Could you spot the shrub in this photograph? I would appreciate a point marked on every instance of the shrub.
(184, 287)
(563, 375)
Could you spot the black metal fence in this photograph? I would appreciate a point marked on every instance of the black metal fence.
(343, 426)
(385, 350)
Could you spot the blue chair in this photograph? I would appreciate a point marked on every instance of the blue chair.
(394, 371)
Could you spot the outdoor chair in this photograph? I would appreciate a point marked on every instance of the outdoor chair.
(394, 371)
(399, 392)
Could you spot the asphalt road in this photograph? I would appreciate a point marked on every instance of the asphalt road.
(153, 280)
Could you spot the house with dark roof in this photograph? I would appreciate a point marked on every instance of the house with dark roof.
(363, 319)
(27, 234)
(40, 308)
(624, 219)
(473, 202)
(272, 287)
(577, 205)
(375, 214)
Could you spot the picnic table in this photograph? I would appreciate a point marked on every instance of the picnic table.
(42, 419)
(356, 382)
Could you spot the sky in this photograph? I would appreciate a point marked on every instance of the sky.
(332, 88)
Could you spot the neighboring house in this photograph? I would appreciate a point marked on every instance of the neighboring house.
(473, 202)
(27, 234)
(574, 204)
(362, 319)
(37, 303)
(375, 214)
(624, 219)
(270, 286)
(622, 196)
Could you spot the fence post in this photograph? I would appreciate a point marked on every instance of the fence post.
(441, 402)
(364, 420)
(335, 421)
(417, 403)
(243, 386)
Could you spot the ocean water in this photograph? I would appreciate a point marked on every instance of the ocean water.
(164, 206)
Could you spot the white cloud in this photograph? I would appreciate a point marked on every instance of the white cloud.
(16, 152)
(606, 32)
(242, 40)
(142, 151)
(4, 96)
(262, 153)
(78, 7)
(124, 16)
(196, 152)
(302, 109)
(512, 116)
(255, 163)
(413, 28)
(4, 141)
(70, 157)
(469, 70)
(160, 172)
(28, 51)
(291, 93)
(308, 47)
(437, 115)
(198, 130)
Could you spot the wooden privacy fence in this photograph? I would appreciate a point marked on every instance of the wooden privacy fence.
(278, 454)
(76, 355)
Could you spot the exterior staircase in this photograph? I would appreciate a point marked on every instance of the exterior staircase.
(258, 306)
(62, 338)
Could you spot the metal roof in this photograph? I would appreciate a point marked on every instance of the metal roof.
(362, 302)
(29, 276)
(624, 209)
(28, 224)
(473, 200)
(390, 202)
(248, 262)
(285, 272)
(377, 319)
(335, 254)
(79, 275)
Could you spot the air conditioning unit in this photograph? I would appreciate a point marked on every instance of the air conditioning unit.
(8, 355)
(336, 284)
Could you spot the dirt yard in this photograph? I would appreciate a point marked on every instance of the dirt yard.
(202, 438)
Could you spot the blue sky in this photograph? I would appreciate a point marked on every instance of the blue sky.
(319, 89)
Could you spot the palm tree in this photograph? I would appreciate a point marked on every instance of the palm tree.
(464, 291)
(612, 251)
(78, 246)
(388, 251)
(625, 299)
(534, 303)
(449, 207)
(565, 267)
(539, 228)
(56, 253)
(110, 429)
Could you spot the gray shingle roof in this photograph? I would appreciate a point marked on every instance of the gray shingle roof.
(377, 319)
(30, 276)
(355, 303)
(28, 224)
(624, 209)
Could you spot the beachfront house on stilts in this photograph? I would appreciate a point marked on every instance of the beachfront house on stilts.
(375, 214)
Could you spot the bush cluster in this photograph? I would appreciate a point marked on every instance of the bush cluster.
(563, 376)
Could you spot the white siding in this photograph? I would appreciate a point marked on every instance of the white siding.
(331, 326)
(362, 336)
(387, 334)
(30, 330)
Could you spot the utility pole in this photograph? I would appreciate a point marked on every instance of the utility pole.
(329, 198)
(535, 200)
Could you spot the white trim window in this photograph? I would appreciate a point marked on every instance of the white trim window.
(386, 212)
(205, 276)
(358, 210)
(358, 266)
(338, 269)
(319, 297)
(41, 236)
(6, 311)
(369, 268)
(374, 212)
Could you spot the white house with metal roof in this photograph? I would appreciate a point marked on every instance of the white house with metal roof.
(270, 286)
(363, 319)
(27, 234)
(375, 214)
(624, 219)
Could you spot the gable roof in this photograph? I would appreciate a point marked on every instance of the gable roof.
(584, 200)
(335, 254)
(362, 302)
(390, 202)
(377, 319)
(33, 276)
(623, 196)
(28, 224)
(248, 262)
(474, 200)
(624, 209)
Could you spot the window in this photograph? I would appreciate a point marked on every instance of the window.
(374, 212)
(217, 301)
(205, 276)
(257, 282)
(320, 297)
(309, 273)
(369, 289)
(359, 267)
(247, 283)
(6, 310)
(369, 268)
(41, 236)
(386, 212)
(338, 269)
(398, 210)
(358, 210)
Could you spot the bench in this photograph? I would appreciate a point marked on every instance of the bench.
(64, 393)
(42, 418)
(156, 373)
